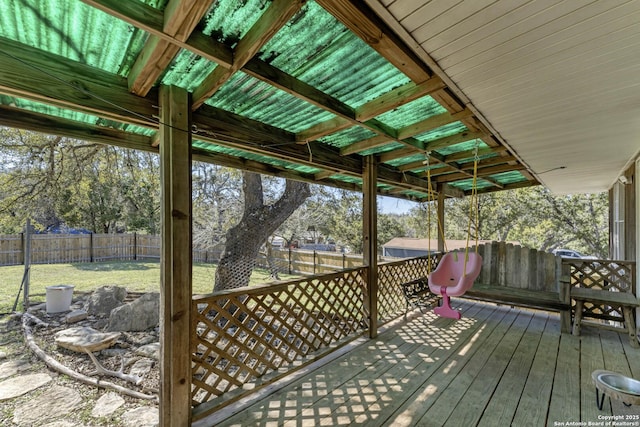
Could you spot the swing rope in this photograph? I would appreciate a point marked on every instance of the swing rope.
(473, 202)
(430, 199)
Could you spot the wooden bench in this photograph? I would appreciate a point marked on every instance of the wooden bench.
(418, 295)
(625, 300)
(537, 299)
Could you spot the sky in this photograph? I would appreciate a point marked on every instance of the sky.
(393, 205)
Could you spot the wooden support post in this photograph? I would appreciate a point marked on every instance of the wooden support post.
(563, 285)
(175, 289)
(370, 237)
(27, 265)
(440, 222)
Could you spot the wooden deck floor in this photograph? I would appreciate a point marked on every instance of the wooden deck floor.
(495, 367)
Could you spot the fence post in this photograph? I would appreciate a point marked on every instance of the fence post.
(27, 265)
(314, 261)
(91, 247)
(22, 248)
(290, 269)
(135, 246)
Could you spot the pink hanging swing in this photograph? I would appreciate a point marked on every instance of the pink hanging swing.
(453, 277)
(456, 271)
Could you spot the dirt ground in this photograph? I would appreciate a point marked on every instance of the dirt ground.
(14, 348)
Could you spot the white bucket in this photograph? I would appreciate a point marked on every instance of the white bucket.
(59, 298)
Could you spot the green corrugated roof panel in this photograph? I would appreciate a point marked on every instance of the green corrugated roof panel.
(434, 168)
(187, 71)
(230, 20)
(383, 149)
(49, 110)
(418, 194)
(404, 160)
(441, 132)
(74, 30)
(206, 146)
(463, 146)
(467, 184)
(347, 136)
(509, 177)
(413, 112)
(347, 178)
(245, 95)
(317, 49)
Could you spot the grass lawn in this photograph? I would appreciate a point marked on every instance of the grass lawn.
(136, 276)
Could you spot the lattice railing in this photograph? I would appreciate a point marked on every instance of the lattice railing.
(242, 335)
(391, 300)
(614, 276)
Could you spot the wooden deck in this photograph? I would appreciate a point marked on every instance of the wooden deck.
(498, 366)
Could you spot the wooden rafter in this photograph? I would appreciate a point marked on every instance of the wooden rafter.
(428, 85)
(367, 144)
(481, 173)
(276, 15)
(398, 97)
(33, 74)
(151, 20)
(180, 18)
(432, 123)
(365, 24)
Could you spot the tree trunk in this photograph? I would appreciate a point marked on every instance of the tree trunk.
(258, 222)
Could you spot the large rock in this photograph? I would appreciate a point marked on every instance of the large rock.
(104, 299)
(85, 338)
(138, 315)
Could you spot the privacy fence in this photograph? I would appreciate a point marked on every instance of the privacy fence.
(77, 248)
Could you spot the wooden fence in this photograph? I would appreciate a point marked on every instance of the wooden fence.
(78, 248)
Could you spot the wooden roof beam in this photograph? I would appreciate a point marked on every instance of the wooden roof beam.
(432, 123)
(180, 19)
(323, 129)
(431, 145)
(22, 119)
(365, 24)
(470, 153)
(151, 20)
(481, 172)
(276, 15)
(398, 97)
(367, 144)
(33, 74)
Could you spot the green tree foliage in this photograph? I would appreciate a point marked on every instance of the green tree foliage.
(59, 181)
(531, 216)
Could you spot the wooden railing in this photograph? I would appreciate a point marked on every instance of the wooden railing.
(391, 301)
(256, 334)
(246, 338)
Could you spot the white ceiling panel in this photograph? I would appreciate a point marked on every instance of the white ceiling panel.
(558, 80)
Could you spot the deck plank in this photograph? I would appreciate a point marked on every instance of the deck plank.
(386, 390)
(479, 393)
(414, 381)
(536, 396)
(591, 359)
(616, 361)
(460, 373)
(565, 396)
(504, 401)
(497, 366)
(309, 389)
